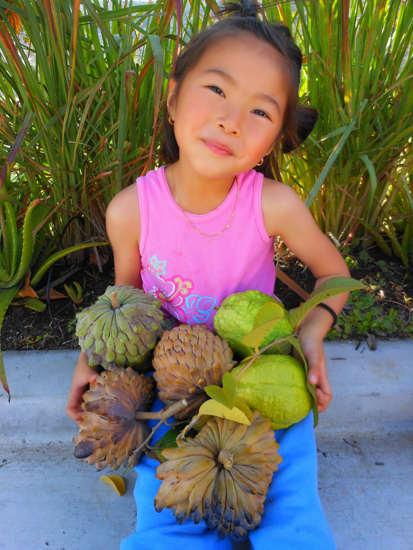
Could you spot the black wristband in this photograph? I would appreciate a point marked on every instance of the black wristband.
(333, 313)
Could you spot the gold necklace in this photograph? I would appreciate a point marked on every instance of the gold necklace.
(189, 221)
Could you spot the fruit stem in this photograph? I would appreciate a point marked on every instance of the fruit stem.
(114, 299)
(164, 414)
(226, 458)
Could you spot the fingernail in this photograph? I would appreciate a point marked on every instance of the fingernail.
(312, 379)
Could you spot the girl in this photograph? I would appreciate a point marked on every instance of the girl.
(202, 227)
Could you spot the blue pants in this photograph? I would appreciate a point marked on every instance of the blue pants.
(292, 520)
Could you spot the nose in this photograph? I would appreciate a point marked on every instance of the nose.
(231, 121)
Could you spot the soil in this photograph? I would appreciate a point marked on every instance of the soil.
(26, 329)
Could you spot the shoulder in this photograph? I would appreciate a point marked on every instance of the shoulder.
(279, 203)
(123, 213)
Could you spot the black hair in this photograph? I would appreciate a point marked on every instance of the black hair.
(299, 120)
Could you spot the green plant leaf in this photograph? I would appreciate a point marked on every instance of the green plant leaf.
(31, 303)
(294, 342)
(282, 348)
(217, 394)
(255, 337)
(229, 385)
(241, 350)
(166, 442)
(6, 296)
(57, 255)
(330, 287)
(242, 406)
(270, 311)
(214, 408)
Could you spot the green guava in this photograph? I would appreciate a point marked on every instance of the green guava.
(235, 318)
(276, 386)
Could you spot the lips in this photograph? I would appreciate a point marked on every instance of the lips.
(218, 148)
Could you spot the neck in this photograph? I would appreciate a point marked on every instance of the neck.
(194, 193)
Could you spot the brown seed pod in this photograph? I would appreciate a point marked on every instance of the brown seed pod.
(222, 475)
(108, 432)
(186, 359)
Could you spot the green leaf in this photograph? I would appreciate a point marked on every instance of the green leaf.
(255, 337)
(166, 442)
(31, 303)
(281, 348)
(242, 406)
(294, 342)
(331, 287)
(241, 350)
(269, 312)
(6, 296)
(57, 255)
(214, 408)
(229, 385)
(217, 394)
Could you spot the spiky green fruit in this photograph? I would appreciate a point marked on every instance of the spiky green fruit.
(275, 385)
(122, 327)
(235, 318)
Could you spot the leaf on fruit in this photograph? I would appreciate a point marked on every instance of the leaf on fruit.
(282, 348)
(331, 287)
(255, 337)
(116, 482)
(242, 350)
(270, 311)
(214, 408)
(294, 342)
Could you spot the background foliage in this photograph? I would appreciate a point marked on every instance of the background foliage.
(94, 74)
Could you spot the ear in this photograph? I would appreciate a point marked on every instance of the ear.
(305, 119)
(171, 101)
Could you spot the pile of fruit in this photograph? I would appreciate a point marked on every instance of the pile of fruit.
(222, 474)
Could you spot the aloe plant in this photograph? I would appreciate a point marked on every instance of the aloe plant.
(17, 246)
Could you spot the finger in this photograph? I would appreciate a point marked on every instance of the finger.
(323, 400)
(314, 374)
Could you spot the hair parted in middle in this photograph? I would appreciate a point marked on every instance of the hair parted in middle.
(299, 120)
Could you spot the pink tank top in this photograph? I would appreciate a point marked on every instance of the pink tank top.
(192, 274)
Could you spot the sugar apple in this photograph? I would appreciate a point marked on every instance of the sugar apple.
(186, 359)
(222, 475)
(122, 327)
(108, 432)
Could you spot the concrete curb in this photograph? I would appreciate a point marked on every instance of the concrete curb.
(373, 391)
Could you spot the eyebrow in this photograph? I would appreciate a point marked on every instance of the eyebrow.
(228, 77)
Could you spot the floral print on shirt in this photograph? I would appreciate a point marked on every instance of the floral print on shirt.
(175, 294)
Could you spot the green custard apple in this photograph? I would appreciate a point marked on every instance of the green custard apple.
(276, 386)
(235, 318)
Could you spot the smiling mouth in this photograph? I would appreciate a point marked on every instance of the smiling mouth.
(218, 148)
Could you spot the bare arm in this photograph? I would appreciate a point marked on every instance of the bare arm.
(287, 216)
(123, 228)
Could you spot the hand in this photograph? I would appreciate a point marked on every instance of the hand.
(317, 368)
(82, 377)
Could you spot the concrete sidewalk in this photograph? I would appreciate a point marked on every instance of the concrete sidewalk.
(365, 443)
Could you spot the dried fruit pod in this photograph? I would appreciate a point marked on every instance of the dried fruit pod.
(122, 327)
(108, 432)
(186, 359)
(222, 475)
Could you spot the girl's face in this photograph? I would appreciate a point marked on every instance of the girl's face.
(229, 110)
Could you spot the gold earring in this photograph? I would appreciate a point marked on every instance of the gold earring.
(171, 120)
(261, 162)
